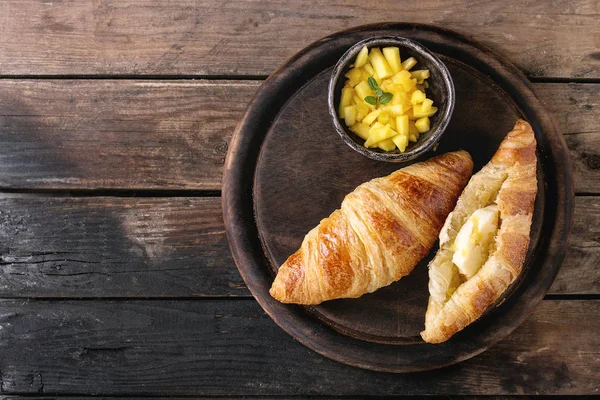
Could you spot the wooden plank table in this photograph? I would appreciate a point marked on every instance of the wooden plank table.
(116, 278)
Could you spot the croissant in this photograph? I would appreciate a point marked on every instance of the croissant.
(484, 240)
(382, 230)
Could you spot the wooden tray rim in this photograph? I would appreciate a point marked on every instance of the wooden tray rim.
(244, 239)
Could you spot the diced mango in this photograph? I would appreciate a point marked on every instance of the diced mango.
(355, 76)
(380, 65)
(420, 74)
(379, 133)
(397, 110)
(362, 130)
(392, 56)
(409, 84)
(350, 115)
(383, 117)
(422, 124)
(412, 129)
(363, 90)
(362, 57)
(362, 108)
(409, 63)
(402, 125)
(387, 145)
(417, 97)
(389, 123)
(345, 100)
(400, 98)
(418, 111)
(401, 141)
(371, 117)
(392, 123)
(426, 105)
(400, 76)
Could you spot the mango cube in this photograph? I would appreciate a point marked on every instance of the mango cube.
(362, 57)
(362, 108)
(380, 65)
(361, 130)
(420, 74)
(412, 129)
(371, 117)
(418, 111)
(422, 124)
(401, 141)
(426, 105)
(397, 110)
(387, 145)
(402, 125)
(392, 56)
(363, 90)
(383, 117)
(345, 100)
(409, 63)
(379, 133)
(400, 97)
(355, 76)
(350, 115)
(400, 76)
(417, 97)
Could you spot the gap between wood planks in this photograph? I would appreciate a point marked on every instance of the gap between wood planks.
(532, 79)
(549, 297)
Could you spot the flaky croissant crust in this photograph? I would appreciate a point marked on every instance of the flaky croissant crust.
(509, 180)
(382, 230)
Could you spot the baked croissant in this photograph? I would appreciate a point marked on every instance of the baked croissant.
(484, 240)
(383, 229)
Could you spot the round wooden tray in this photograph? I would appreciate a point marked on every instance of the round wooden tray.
(287, 169)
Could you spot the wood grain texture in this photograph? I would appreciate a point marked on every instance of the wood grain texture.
(117, 134)
(172, 247)
(233, 348)
(259, 397)
(116, 247)
(89, 134)
(549, 39)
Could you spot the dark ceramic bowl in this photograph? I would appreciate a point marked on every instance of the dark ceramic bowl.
(441, 91)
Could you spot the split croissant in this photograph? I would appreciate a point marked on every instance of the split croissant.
(508, 181)
(383, 229)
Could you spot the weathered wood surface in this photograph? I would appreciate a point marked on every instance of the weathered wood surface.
(217, 347)
(117, 134)
(546, 39)
(88, 134)
(171, 247)
(288, 397)
(115, 247)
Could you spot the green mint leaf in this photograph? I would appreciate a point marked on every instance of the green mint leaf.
(379, 92)
(385, 98)
(372, 83)
(371, 100)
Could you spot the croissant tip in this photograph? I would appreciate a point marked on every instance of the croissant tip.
(431, 339)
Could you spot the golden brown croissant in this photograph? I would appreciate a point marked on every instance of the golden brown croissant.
(383, 229)
(485, 239)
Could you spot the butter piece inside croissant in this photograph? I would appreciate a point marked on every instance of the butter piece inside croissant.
(459, 294)
(382, 230)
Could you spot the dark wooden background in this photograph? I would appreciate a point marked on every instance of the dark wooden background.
(116, 278)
